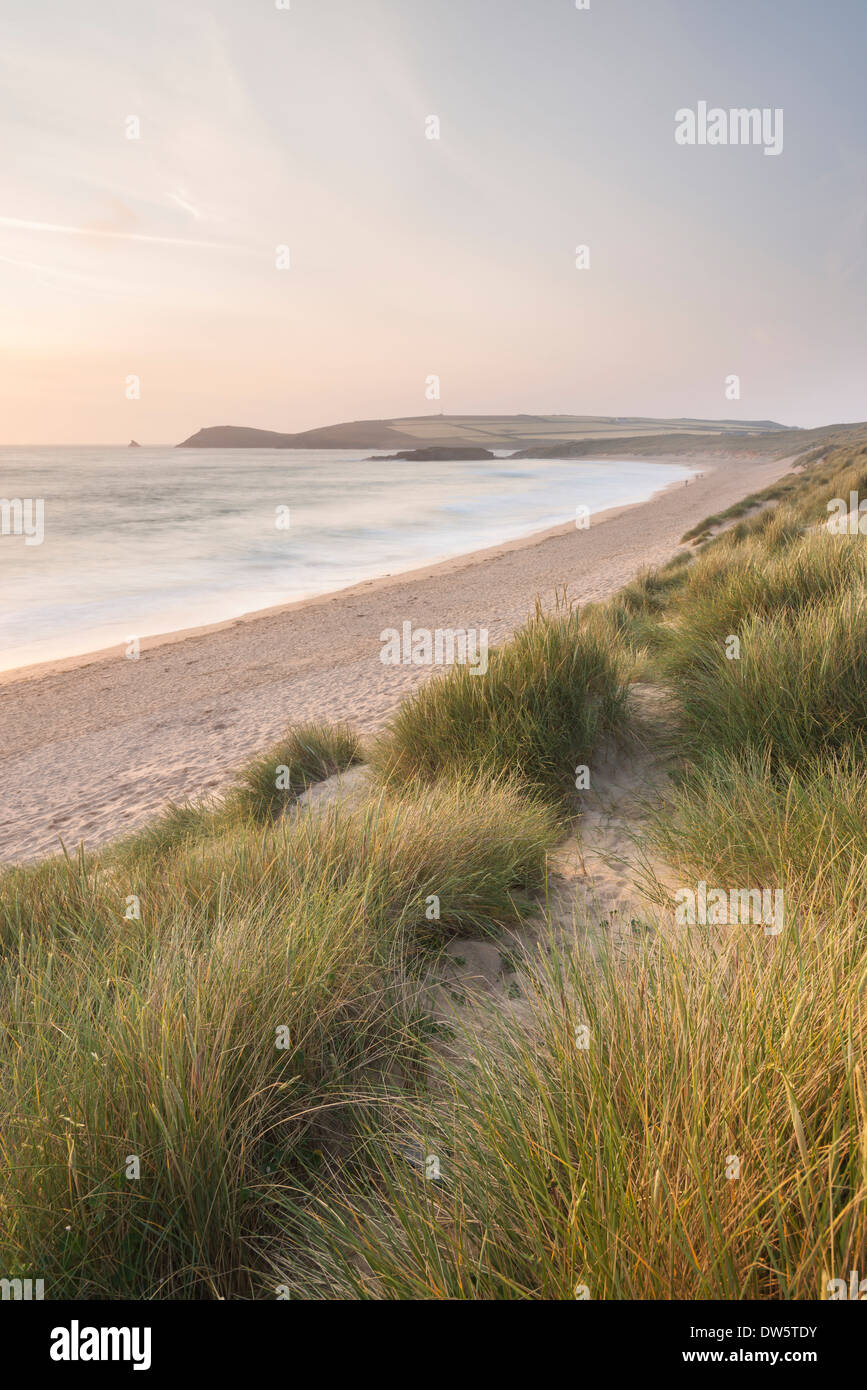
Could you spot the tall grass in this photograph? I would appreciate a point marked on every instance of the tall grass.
(611, 1168)
(547, 696)
(710, 1141)
(732, 821)
(156, 1036)
(309, 753)
(796, 687)
(733, 583)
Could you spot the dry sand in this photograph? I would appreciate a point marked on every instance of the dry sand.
(92, 747)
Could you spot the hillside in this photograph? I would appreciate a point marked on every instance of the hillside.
(490, 431)
(772, 440)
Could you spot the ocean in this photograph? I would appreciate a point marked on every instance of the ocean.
(137, 542)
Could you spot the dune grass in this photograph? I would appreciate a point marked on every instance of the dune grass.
(308, 754)
(606, 1170)
(547, 697)
(795, 685)
(778, 567)
(262, 790)
(734, 821)
(702, 529)
(262, 980)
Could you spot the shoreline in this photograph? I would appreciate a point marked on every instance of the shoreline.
(92, 747)
(465, 559)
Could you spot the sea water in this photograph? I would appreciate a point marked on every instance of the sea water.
(140, 541)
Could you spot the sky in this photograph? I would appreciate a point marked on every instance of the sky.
(139, 281)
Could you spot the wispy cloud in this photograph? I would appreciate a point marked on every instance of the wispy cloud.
(187, 207)
(24, 224)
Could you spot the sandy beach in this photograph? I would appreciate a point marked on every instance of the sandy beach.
(94, 746)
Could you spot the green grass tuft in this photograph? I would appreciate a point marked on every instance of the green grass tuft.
(308, 754)
(549, 694)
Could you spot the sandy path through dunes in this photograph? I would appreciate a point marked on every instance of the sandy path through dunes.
(93, 747)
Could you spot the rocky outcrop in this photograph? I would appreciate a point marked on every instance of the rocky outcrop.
(439, 453)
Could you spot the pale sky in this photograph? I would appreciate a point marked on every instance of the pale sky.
(262, 127)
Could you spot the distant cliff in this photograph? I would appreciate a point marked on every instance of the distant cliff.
(361, 434)
(237, 437)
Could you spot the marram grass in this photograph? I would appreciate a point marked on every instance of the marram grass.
(547, 697)
(707, 1139)
(156, 1037)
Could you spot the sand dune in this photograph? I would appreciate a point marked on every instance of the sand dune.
(93, 747)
